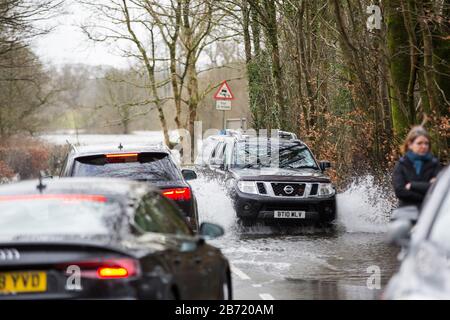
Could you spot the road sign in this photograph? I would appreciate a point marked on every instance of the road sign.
(224, 92)
(223, 105)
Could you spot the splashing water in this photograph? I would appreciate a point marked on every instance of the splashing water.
(213, 203)
(215, 206)
(364, 207)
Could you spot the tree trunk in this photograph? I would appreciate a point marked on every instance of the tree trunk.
(399, 66)
(430, 81)
(277, 70)
(175, 85)
(193, 91)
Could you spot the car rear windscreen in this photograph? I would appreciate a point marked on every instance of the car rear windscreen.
(58, 214)
(136, 166)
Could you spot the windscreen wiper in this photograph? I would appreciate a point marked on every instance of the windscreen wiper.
(292, 161)
(290, 147)
(301, 167)
(252, 165)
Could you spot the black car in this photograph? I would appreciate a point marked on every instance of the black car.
(153, 164)
(272, 179)
(105, 239)
(424, 273)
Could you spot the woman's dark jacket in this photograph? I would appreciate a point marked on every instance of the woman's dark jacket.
(405, 172)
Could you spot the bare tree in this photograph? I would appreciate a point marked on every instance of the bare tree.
(123, 97)
(24, 85)
(184, 27)
(25, 91)
(18, 22)
(187, 28)
(121, 21)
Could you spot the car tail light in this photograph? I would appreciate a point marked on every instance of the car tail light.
(108, 272)
(178, 194)
(105, 269)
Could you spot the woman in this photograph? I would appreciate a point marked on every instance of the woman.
(417, 170)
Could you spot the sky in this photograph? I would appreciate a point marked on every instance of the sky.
(68, 44)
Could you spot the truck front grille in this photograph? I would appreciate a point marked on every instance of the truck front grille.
(288, 189)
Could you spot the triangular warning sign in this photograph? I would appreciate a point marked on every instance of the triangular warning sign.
(224, 92)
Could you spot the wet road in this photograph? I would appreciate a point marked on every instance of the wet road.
(304, 263)
(298, 263)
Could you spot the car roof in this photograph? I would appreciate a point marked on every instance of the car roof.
(100, 186)
(252, 139)
(280, 141)
(102, 149)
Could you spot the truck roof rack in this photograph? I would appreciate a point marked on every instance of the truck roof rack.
(247, 134)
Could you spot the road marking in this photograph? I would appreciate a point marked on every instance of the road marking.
(278, 265)
(239, 273)
(266, 296)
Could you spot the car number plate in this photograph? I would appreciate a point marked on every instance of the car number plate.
(23, 282)
(289, 214)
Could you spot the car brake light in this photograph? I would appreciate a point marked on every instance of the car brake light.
(178, 194)
(122, 157)
(105, 269)
(106, 272)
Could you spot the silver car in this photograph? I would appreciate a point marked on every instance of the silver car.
(425, 269)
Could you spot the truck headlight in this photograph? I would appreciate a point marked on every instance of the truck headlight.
(247, 187)
(326, 190)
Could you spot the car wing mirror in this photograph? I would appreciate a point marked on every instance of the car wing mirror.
(324, 165)
(210, 231)
(189, 174)
(402, 222)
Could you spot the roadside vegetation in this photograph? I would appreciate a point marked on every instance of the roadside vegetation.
(311, 67)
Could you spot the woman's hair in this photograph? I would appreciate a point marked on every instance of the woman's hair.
(414, 133)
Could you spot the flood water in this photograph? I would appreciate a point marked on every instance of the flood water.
(299, 262)
(305, 262)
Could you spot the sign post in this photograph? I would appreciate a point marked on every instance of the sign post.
(223, 98)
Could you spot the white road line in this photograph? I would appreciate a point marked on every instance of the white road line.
(239, 273)
(266, 296)
(278, 265)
